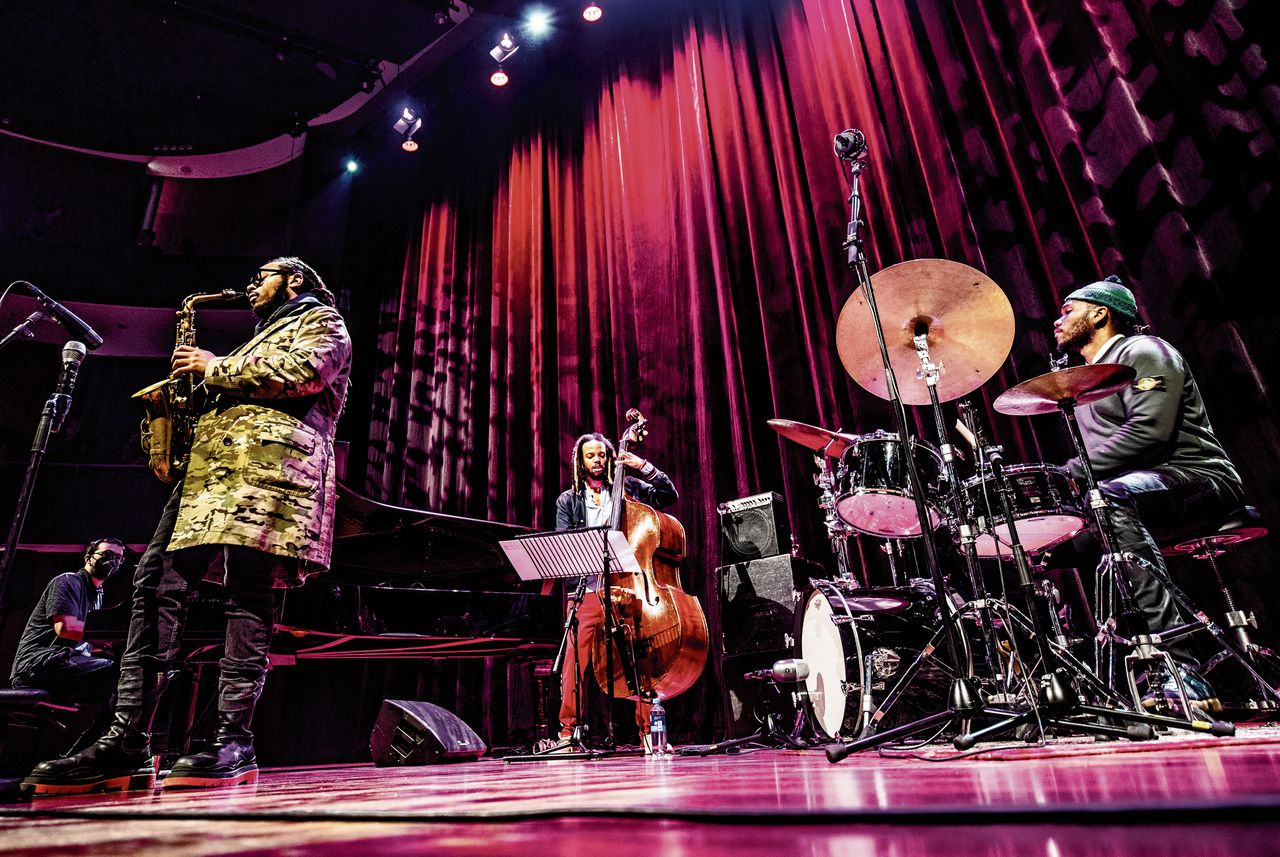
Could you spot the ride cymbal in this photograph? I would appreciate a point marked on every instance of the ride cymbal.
(831, 443)
(1082, 384)
(966, 317)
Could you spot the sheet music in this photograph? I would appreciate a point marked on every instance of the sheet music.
(568, 553)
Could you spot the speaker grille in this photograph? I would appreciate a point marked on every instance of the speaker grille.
(754, 527)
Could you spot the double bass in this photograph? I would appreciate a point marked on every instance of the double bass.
(659, 640)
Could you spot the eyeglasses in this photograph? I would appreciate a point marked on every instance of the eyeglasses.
(263, 275)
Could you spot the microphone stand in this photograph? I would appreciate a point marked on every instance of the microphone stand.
(964, 698)
(55, 411)
(23, 328)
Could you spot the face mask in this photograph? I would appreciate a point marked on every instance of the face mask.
(105, 566)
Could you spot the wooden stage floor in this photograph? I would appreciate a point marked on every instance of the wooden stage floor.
(1179, 795)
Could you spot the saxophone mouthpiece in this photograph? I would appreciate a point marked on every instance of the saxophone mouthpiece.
(233, 295)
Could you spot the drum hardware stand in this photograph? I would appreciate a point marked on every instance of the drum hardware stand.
(871, 719)
(893, 550)
(851, 146)
(837, 530)
(1149, 643)
(1058, 702)
(929, 372)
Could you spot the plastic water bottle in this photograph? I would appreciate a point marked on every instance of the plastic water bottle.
(658, 728)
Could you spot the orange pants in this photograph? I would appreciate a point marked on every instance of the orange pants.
(590, 621)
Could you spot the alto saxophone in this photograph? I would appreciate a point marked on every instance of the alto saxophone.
(169, 422)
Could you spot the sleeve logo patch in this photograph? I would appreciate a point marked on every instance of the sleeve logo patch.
(1147, 384)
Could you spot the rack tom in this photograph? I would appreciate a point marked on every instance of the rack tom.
(1046, 505)
(875, 494)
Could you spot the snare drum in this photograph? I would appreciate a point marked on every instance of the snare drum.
(1046, 505)
(850, 637)
(875, 491)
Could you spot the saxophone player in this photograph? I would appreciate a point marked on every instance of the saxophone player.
(256, 503)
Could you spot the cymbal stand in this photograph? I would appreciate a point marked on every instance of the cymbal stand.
(964, 696)
(929, 373)
(837, 531)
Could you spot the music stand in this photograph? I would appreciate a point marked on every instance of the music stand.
(564, 554)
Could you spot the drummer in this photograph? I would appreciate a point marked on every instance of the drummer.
(1153, 450)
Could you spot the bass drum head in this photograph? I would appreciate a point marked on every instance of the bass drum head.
(822, 647)
(852, 636)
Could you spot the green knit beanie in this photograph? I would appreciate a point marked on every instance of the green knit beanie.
(1110, 293)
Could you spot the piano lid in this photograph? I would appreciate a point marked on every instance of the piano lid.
(377, 543)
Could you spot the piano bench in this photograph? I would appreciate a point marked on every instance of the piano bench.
(26, 718)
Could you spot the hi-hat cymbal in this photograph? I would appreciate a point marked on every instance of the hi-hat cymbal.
(1082, 384)
(832, 443)
(966, 317)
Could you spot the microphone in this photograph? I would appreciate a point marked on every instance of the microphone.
(72, 354)
(787, 670)
(25, 327)
(71, 322)
(850, 144)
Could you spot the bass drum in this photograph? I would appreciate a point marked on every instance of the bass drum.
(860, 640)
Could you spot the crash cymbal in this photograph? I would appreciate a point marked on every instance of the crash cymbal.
(832, 443)
(967, 319)
(1083, 384)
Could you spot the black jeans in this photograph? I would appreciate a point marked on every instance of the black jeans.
(162, 583)
(73, 677)
(1150, 507)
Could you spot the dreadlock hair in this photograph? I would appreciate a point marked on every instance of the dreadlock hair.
(580, 470)
(311, 281)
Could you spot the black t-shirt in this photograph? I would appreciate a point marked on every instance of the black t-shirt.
(70, 594)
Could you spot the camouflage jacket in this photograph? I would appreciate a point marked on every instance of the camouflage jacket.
(262, 471)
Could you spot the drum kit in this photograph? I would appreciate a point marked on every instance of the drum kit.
(947, 328)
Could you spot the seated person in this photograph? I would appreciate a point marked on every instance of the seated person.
(52, 654)
(1153, 451)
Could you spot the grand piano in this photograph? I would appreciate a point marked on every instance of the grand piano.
(404, 583)
(408, 583)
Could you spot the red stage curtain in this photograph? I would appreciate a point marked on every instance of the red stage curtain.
(674, 245)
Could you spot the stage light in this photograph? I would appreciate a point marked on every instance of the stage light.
(503, 50)
(408, 123)
(406, 126)
(592, 13)
(353, 166)
(538, 22)
(499, 78)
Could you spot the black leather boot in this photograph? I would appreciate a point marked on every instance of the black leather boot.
(228, 761)
(120, 760)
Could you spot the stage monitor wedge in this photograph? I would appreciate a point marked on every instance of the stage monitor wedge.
(409, 732)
